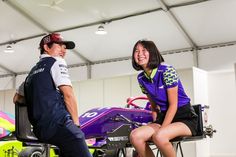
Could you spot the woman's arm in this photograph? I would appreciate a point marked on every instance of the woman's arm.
(173, 100)
(153, 108)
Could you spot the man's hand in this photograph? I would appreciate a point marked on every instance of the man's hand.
(18, 98)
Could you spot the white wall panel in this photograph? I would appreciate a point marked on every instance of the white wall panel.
(6, 83)
(2, 100)
(19, 80)
(78, 73)
(200, 84)
(235, 70)
(112, 69)
(89, 94)
(222, 92)
(6, 98)
(180, 60)
(200, 90)
(186, 77)
(116, 91)
(135, 90)
(217, 59)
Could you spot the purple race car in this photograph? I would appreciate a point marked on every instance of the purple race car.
(107, 129)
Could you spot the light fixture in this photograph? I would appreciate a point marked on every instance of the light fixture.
(9, 49)
(101, 30)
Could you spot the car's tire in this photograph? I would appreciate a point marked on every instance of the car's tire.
(130, 152)
(98, 153)
(31, 152)
(114, 153)
(120, 153)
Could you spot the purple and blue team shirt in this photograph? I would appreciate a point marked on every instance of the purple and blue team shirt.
(156, 85)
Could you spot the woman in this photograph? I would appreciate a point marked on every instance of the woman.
(172, 113)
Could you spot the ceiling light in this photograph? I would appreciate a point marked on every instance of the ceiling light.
(101, 30)
(9, 49)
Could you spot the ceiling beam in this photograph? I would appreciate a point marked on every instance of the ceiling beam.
(25, 14)
(183, 50)
(92, 23)
(128, 16)
(21, 39)
(187, 3)
(195, 58)
(89, 71)
(181, 29)
(88, 62)
(177, 23)
(82, 57)
(7, 70)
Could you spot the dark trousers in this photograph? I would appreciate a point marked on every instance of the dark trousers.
(70, 140)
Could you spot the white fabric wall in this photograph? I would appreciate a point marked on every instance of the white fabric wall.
(222, 92)
(200, 90)
(112, 69)
(235, 70)
(6, 101)
(107, 92)
(213, 59)
(217, 59)
(6, 83)
(221, 89)
(180, 60)
(78, 73)
(114, 91)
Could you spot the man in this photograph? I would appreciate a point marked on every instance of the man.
(52, 107)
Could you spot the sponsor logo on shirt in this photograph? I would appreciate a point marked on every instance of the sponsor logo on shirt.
(38, 71)
(62, 66)
(161, 87)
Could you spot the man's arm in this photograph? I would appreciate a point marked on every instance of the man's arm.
(18, 98)
(70, 102)
(19, 95)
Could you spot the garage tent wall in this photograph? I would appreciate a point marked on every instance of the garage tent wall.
(199, 84)
(197, 37)
(214, 59)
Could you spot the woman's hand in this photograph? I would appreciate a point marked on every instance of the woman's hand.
(154, 116)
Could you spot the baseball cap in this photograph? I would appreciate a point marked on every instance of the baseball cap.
(56, 38)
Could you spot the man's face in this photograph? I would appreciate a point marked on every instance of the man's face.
(57, 50)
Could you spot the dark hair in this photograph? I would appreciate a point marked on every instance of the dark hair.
(42, 51)
(155, 58)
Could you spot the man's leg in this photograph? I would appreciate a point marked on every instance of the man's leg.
(70, 140)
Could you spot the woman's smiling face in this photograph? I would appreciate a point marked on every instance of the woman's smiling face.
(141, 56)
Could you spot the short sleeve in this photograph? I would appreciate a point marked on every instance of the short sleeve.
(170, 77)
(60, 73)
(20, 89)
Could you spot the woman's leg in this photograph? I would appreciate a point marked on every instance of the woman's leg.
(164, 135)
(139, 138)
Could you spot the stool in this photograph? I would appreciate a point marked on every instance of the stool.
(200, 133)
(24, 133)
